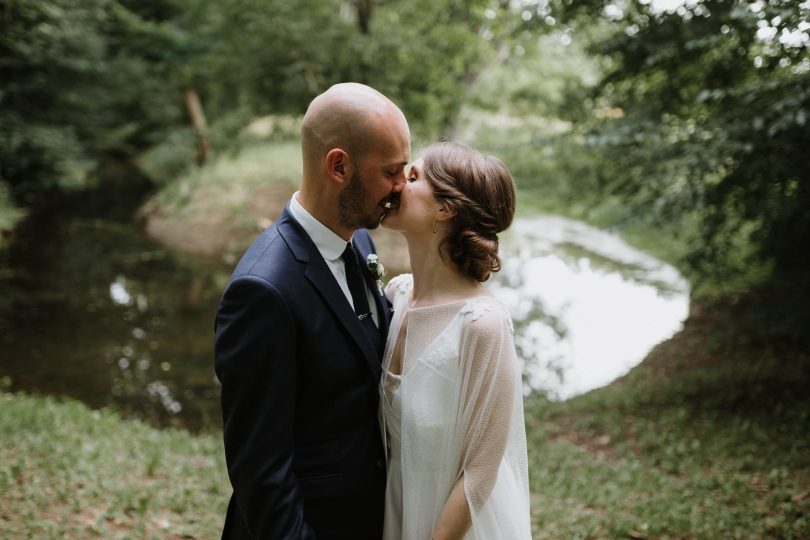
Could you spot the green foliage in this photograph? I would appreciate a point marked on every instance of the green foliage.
(428, 53)
(421, 53)
(40, 143)
(9, 213)
(81, 80)
(86, 82)
(519, 110)
(171, 158)
(708, 116)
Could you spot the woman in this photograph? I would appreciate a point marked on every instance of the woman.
(451, 402)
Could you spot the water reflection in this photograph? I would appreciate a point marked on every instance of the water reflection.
(93, 310)
(118, 292)
(97, 312)
(587, 307)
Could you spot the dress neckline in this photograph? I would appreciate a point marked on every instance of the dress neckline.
(446, 304)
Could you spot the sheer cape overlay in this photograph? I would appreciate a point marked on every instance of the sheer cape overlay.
(451, 405)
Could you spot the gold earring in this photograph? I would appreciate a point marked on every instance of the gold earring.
(435, 229)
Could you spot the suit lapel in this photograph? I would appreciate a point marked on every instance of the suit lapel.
(324, 282)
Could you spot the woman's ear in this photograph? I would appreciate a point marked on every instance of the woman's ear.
(338, 165)
(445, 212)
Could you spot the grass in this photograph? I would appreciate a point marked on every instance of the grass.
(707, 438)
(69, 472)
(232, 180)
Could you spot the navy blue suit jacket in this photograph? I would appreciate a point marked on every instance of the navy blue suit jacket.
(299, 395)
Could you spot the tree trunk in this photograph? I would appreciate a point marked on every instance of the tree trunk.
(195, 112)
(364, 10)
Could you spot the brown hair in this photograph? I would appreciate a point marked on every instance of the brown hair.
(479, 188)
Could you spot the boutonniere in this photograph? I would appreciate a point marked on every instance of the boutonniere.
(377, 270)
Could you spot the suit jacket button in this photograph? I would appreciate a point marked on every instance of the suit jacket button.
(380, 463)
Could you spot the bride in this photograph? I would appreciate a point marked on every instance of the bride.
(451, 403)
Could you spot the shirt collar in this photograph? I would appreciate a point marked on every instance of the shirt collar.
(329, 244)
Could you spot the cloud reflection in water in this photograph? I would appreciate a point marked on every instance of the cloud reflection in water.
(587, 307)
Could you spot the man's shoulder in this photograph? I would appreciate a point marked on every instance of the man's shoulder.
(267, 257)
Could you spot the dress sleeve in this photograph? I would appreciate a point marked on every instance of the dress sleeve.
(490, 382)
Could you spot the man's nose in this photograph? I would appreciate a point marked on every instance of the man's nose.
(399, 183)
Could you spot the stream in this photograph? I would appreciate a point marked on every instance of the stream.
(92, 309)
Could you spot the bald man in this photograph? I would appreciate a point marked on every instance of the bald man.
(300, 332)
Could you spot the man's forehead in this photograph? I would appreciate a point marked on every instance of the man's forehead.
(392, 127)
(393, 153)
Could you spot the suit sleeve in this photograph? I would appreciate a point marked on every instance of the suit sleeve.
(256, 364)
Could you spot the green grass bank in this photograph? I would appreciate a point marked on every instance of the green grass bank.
(69, 472)
(707, 438)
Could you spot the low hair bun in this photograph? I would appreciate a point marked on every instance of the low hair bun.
(479, 188)
(475, 254)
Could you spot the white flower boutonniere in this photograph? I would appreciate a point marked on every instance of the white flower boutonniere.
(377, 270)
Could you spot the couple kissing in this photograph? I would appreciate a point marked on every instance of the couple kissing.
(357, 411)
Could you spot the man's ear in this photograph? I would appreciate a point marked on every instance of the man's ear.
(338, 165)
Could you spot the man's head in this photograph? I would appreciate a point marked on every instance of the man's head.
(355, 145)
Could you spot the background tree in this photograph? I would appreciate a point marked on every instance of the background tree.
(83, 81)
(709, 109)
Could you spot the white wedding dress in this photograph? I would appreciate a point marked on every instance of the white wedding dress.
(456, 408)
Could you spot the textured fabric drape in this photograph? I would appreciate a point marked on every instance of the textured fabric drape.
(451, 405)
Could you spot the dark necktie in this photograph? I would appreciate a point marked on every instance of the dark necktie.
(357, 288)
(356, 285)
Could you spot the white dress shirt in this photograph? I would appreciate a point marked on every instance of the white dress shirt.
(331, 247)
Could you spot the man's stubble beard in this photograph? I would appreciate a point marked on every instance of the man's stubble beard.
(351, 211)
